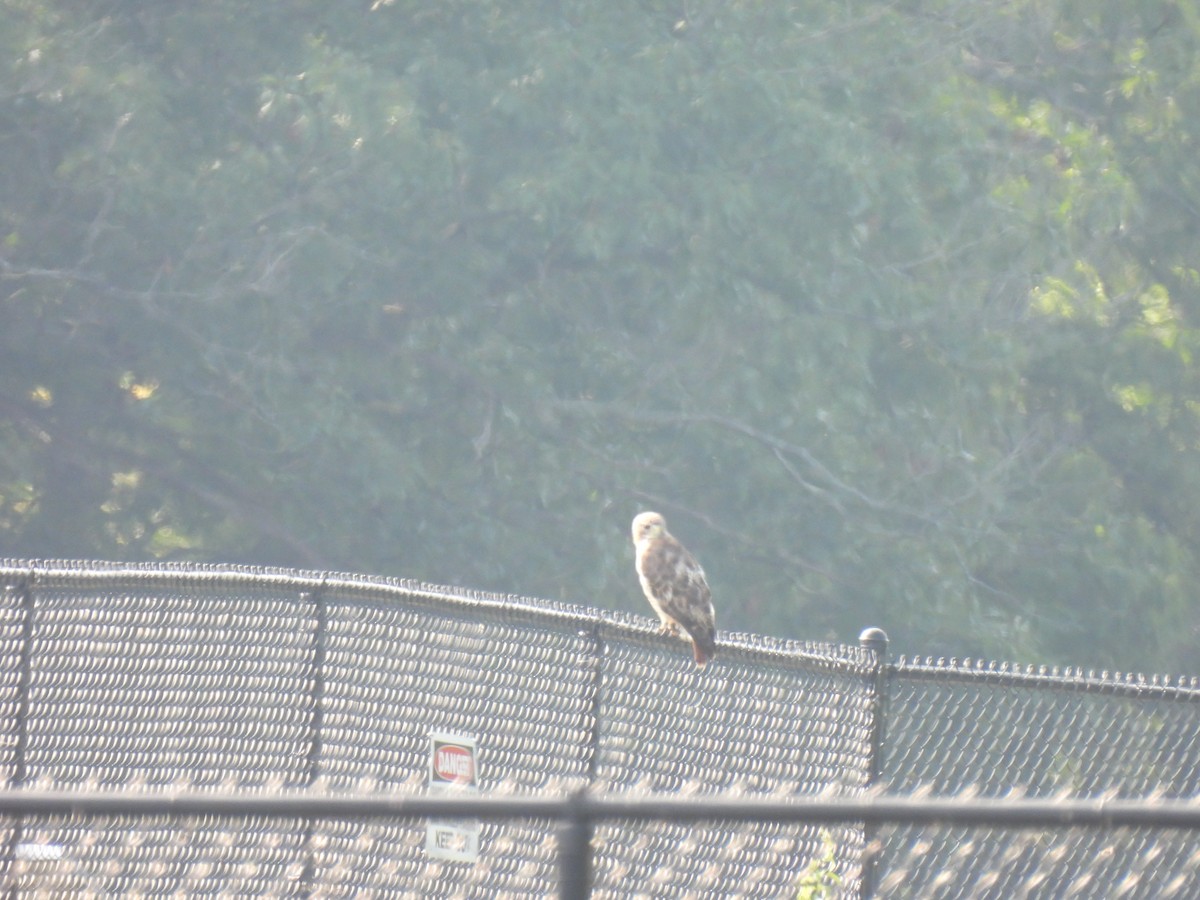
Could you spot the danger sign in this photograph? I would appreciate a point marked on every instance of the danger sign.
(453, 766)
(453, 763)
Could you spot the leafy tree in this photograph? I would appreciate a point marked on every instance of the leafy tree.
(885, 306)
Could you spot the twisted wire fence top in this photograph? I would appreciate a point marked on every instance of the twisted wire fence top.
(164, 676)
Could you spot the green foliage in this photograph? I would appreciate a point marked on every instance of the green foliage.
(820, 878)
(888, 309)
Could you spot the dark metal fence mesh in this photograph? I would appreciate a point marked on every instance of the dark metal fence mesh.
(160, 678)
(265, 681)
(996, 731)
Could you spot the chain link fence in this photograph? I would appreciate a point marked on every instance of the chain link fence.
(268, 683)
(990, 730)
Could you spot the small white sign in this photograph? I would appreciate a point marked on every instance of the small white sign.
(453, 766)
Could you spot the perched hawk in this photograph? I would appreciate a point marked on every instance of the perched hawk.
(674, 584)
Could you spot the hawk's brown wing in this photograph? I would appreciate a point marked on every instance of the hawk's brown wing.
(678, 583)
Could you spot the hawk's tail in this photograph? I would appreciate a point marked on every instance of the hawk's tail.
(704, 648)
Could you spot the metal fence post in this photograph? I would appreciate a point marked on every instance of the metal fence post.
(596, 709)
(22, 591)
(575, 849)
(316, 723)
(875, 642)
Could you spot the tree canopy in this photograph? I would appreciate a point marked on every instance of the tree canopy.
(888, 307)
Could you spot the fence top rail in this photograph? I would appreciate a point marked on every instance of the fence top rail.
(1118, 684)
(1011, 812)
(18, 574)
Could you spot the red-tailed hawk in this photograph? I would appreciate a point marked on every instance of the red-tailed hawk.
(675, 586)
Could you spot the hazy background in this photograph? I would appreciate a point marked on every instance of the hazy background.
(888, 307)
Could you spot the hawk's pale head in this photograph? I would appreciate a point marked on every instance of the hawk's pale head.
(647, 526)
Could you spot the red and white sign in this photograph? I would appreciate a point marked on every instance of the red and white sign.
(453, 766)
(453, 763)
